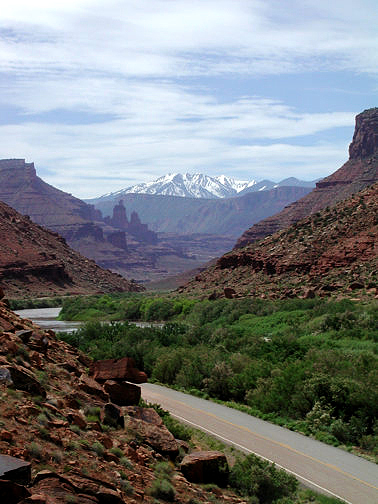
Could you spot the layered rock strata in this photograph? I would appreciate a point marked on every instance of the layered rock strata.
(360, 171)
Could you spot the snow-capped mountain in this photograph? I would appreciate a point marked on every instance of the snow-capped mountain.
(197, 185)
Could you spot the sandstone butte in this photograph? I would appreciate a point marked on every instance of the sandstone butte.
(360, 171)
(35, 262)
(326, 243)
(54, 444)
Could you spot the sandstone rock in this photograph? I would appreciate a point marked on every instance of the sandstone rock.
(5, 376)
(122, 394)
(39, 342)
(148, 415)
(91, 387)
(25, 380)
(25, 335)
(60, 490)
(117, 369)
(6, 436)
(15, 469)
(308, 293)
(109, 496)
(76, 419)
(5, 325)
(36, 499)
(206, 467)
(112, 415)
(153, 433)
(229, 293)
(11, 492)
(356, 285)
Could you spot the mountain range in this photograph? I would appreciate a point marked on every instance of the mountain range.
(191, 230)
(198, 185)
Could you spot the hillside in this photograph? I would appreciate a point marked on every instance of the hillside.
(360, 171)
(37, 262)
(331, 251)
(227, 217)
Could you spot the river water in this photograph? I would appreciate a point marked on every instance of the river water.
(47, 319)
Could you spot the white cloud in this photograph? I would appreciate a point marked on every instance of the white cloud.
(131, 61)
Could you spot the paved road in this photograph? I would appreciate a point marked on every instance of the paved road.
(319, 466)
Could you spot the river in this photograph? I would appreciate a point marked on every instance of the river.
(47, 319)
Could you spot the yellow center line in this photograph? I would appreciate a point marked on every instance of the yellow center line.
(283, 445)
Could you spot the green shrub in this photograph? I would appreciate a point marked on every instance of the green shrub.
(255, 477)
(162, 489)
(35, 450)
(98, 448)
(117, 451)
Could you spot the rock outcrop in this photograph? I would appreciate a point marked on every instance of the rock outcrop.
(332, 252)
(35, 261)
(360, 171)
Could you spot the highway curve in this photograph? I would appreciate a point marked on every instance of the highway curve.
(321, 467)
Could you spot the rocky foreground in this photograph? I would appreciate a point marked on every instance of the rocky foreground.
(67, 437)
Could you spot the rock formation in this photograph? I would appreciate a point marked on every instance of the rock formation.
(55, 445)
(359, 172)
(37, 262)
(334, 251)
(135, 227)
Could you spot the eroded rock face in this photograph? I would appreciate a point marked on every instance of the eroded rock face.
(206, 467)
(35, 262)
(365, 138)
(324, 253)
(117, 369)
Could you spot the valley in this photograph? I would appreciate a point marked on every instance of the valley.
(281, 328)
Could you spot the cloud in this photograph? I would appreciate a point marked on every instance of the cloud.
(142, 67)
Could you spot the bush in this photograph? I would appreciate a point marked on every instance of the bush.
(162, 489)
(254, 477)
(98, 448)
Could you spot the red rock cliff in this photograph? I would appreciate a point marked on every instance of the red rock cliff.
(360, 171)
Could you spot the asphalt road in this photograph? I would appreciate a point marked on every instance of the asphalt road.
(319, 466)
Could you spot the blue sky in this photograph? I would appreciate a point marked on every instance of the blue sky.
(102, 95)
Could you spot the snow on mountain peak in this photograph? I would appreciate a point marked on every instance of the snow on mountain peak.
(196, 185)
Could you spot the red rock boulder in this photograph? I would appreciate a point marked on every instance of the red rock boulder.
(122, 394)
(206, 467)
(117, 369)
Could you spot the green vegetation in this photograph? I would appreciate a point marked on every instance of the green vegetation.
(124, 306)
(310, 365)
(29, 303)
(254, 476)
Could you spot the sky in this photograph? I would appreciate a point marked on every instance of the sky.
(101, 95)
